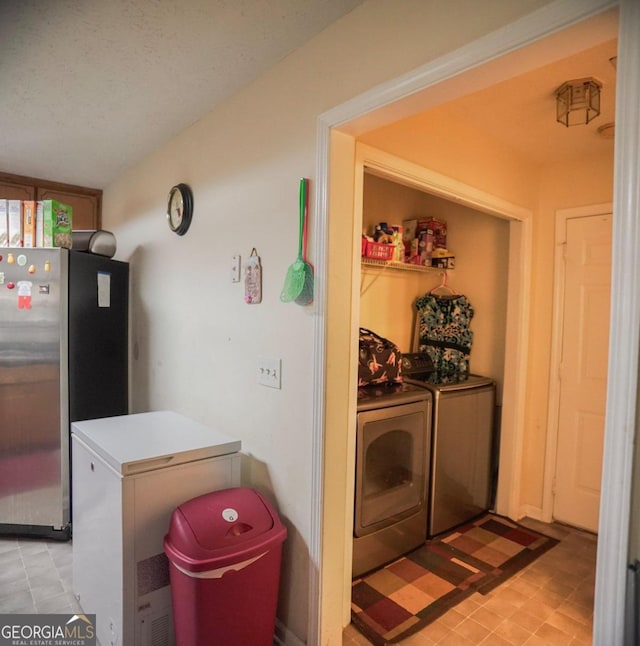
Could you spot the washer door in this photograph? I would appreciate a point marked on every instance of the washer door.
(391, 465)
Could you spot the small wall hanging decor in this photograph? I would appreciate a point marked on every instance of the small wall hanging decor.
(253, 279)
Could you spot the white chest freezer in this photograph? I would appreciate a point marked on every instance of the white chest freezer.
(128, 474)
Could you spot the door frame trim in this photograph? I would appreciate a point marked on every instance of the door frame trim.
(621, 425)
(559, 278)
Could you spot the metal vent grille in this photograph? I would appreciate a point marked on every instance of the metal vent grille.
(153, 573)
(160, 631)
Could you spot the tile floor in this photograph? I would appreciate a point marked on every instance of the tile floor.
(549, 603)
(35, 576)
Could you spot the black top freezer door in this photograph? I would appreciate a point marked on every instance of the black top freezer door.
(98, 336)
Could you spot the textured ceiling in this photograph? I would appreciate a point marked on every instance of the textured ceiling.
(90, 87)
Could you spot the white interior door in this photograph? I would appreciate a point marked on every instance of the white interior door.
(583, 370)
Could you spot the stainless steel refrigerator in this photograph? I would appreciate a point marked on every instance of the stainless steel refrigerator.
(63, 358)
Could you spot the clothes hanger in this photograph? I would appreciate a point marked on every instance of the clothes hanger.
(449, 291)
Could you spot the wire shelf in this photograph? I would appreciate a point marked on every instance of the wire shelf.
(394, 264)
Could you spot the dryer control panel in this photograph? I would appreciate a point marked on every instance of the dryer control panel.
(417, 365)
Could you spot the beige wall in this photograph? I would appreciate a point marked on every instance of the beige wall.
(452, 147)
(195, 342)
(561, 186)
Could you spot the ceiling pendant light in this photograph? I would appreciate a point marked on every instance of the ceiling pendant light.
(578, 102)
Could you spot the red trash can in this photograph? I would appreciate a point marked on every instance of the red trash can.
(224, 550)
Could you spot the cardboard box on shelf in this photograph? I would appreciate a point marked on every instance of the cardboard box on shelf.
(4, 224)
(409, 228)
(28, 223)
(58, 219)
(410, 241)
(439, 229)
(444, 262)
(425, 244)
(14, 212)
(39, 225)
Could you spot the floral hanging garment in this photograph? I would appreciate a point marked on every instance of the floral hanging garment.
(445, 336)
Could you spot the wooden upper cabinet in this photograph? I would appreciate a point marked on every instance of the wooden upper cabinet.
(86, 208)
(15, 190)
(85, 202)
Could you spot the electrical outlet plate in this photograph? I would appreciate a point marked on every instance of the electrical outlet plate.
(235, 268)
(269, 370)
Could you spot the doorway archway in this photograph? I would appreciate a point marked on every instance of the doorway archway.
(335, 333)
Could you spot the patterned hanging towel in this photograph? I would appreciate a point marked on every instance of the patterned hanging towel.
(445, 336)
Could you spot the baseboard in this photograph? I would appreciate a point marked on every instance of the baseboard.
(284, 637)
(531, 511)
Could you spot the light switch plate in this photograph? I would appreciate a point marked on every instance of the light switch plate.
(269, 370)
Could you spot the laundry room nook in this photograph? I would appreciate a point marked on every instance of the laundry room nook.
(436, 305)
(454, 421)
(433, 307)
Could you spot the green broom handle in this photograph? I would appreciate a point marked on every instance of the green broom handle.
(303, 192)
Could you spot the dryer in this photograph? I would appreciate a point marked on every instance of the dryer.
(462, 462)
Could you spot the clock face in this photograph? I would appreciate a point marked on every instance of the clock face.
(176, 209)
(180, 209)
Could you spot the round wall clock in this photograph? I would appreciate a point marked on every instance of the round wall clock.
(180, 209)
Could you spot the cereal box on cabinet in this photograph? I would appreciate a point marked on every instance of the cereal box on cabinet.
(4, 224)
(57, 224)
(39, 224)
(28, 223)
(14, 208)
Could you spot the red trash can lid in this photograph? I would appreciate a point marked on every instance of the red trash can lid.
(220, 527)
